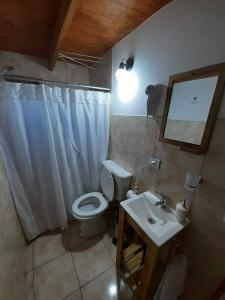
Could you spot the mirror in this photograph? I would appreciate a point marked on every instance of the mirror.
(189, 109)
(192, 102)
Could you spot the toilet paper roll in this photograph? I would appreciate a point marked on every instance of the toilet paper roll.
(181, 212)
(130, 194)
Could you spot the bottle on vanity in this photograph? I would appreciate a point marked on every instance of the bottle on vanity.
(181, 211)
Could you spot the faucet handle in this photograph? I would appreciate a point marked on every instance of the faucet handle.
(163, 200)
(162, 196)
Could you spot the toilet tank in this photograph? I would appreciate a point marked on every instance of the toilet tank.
(121, 178)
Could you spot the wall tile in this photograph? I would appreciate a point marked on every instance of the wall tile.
(214, 172)
(13, 249)
(134, 139)
(30, 257)
(15, 288)
(102, 75)
(174, 166)
(30, 285)
(206, 266)
(207, 234)
(26, 65)
(118, 139)
(132, 142)
(208, 211)
(119, 133)
(217, 143)
(214, 166)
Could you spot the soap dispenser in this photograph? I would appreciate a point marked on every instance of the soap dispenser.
(181, 211)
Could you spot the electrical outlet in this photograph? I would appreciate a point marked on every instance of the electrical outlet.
(154, 163)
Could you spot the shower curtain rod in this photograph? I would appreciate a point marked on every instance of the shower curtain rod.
(33, 80)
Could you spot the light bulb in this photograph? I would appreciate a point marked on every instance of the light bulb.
(121, 74)
(127, 86)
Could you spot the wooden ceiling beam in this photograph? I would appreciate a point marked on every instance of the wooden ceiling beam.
(65, 17)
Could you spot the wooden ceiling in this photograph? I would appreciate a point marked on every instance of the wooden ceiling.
(26, 26)
(44, 27)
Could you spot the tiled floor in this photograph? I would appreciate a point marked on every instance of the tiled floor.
(64, 266)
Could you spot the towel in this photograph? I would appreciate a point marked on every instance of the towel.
(172, 283)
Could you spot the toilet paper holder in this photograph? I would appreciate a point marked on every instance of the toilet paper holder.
(192, 180)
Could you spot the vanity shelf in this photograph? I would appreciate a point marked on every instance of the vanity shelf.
(134, 262)
(132, 250)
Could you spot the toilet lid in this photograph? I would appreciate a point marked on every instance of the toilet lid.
(107, 183)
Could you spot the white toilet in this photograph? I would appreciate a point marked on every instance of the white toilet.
(89, 208)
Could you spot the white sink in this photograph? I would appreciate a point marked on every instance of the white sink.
(158, 223)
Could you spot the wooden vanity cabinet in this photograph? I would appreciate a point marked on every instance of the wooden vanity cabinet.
(140, 262)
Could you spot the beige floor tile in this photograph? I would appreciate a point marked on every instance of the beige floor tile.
(72, 236)
(104, 287)
(47, 247)
(91, 261)
(30, 257)
(75, 296)
(111, 249)
(56, 279)
(30, 285)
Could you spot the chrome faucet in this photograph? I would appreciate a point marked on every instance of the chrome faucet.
(162, 200)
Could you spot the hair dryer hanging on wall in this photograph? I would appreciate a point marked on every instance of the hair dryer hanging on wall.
(154, 101)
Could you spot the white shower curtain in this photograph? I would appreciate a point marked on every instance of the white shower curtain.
(52, 141)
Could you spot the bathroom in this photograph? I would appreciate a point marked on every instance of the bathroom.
(56, 147)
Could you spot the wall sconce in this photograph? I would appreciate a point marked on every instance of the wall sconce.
(127, 80)
(125, 65)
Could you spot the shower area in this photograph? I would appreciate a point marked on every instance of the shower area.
(54, 133)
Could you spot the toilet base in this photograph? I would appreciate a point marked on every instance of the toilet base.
(91, 227)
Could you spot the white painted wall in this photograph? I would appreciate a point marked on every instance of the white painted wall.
(184, 35)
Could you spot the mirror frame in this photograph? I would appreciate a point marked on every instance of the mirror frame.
(215, 70)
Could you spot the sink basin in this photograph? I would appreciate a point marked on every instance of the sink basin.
(158, 223)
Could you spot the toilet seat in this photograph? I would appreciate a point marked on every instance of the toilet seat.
(89, 205)
(93, 204)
